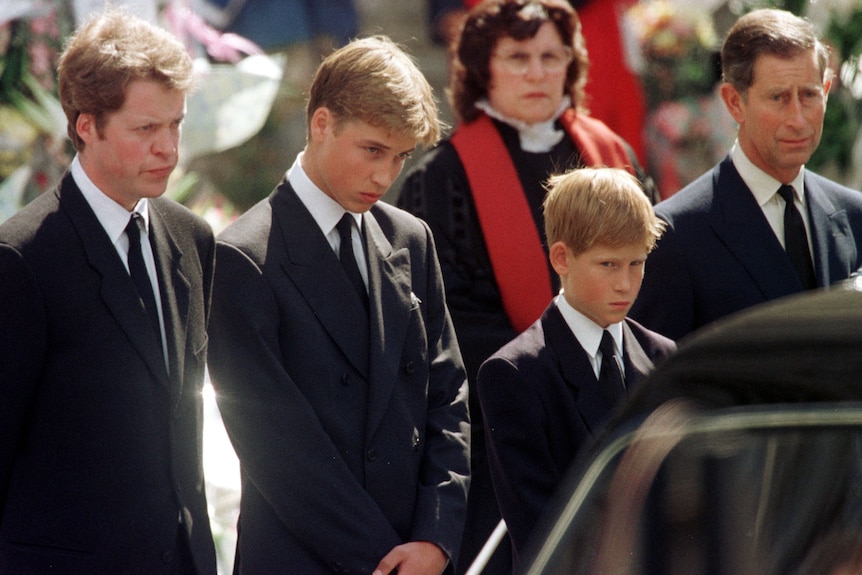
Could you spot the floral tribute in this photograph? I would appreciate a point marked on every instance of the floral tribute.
(674, 49)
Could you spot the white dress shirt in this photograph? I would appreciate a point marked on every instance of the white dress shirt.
(764, 188)
(589, 333)
(327, 213)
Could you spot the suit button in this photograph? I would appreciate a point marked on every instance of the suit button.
(345, 379)
(410, 368)
(372, 455)
(168, 556)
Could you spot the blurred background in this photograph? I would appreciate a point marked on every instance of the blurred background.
(255, 58)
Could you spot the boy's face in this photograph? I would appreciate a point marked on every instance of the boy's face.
(602, 282)
(353, 162)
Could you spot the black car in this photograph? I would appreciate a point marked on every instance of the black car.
(741, 454)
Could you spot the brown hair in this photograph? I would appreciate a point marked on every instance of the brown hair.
(771, 32)
(599, 205)
(375, 81)
(107, 53)
(492, 20)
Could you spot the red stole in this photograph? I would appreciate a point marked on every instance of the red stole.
(514, 243)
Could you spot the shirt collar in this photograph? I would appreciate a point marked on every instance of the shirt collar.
(762, 185)
(325, 211)
(588, 332)
(113, 217)
(536, 138)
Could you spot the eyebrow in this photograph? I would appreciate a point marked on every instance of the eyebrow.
(372, 143)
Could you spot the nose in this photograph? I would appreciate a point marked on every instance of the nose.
(166, 143)
(796, 112)
(535, 68)
(384, 176)
(625, 280)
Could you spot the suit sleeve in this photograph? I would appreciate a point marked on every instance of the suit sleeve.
(666, 302)
(522, 468)
(22, 348)
(445, 468)
(282, 447)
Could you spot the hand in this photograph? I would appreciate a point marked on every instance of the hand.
(414, 558)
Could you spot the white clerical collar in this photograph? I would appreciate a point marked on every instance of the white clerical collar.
(536, 138)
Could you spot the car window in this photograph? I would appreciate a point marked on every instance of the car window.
(756, 490)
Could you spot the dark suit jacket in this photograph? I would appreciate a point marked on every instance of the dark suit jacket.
(100, 446)
(541, 403)
(719, 255)
(351, 439)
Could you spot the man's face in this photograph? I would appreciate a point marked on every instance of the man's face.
(136, 151)
(353, 162)
(781, 116)
(602, 282)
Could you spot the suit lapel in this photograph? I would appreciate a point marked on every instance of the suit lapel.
(314, 269)
(117, 290)
(575, 367)
(174, 288)
(744, 230)
(390, 292)
(831, 236)
(636, 361)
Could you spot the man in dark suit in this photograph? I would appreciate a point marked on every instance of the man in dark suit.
(730, 241)
(546, 393)
(340, 382)
(100, 417)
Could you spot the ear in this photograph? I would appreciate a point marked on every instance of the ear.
(321, 121)
(557, 254)
(85, 126)
(733, 101)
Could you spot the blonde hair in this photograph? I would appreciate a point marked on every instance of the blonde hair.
(599, 205)
(106, 54)
(375, 81)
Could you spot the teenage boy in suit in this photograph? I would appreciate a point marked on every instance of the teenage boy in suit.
(340, 382)
(729, 242)
(101, 376)
(546, 393)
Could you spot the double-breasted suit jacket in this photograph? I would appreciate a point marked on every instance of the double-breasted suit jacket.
(100, 440)
(541, 403)
(719, 255)
(351, 428)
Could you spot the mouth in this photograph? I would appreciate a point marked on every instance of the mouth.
(161, 172)
(369, 197)
(796, 142)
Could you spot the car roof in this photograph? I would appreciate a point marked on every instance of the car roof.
(803, 348)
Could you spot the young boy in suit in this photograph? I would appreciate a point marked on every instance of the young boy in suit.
(334, 359)
(546, 393)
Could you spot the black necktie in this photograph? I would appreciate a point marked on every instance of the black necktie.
(795, 239)
(140, 277)
(610, 373)
(348, 259)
